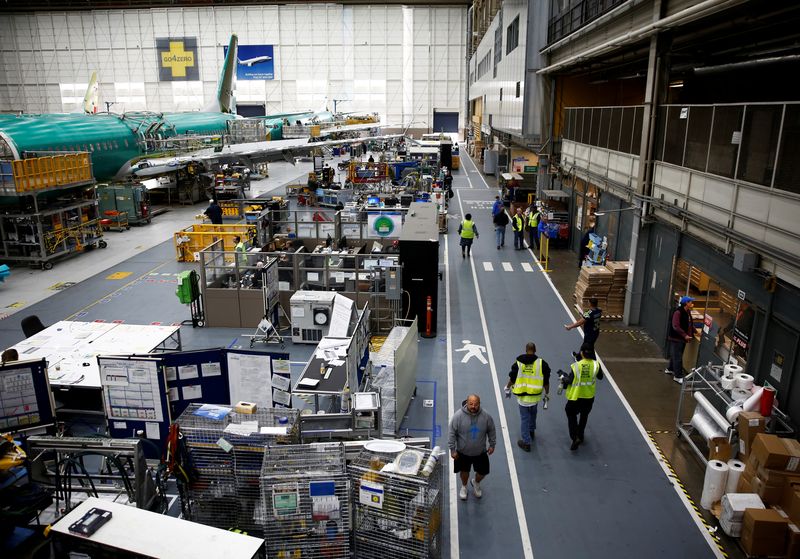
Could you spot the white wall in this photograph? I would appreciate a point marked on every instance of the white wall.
(506, 114)
(400, 61)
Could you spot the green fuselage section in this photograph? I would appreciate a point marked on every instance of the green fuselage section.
(112, 140)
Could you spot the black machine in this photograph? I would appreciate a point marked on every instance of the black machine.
(419, 255)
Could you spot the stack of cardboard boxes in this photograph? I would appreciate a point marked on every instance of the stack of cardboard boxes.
(616, 294)
(773, 473)
(593, 281)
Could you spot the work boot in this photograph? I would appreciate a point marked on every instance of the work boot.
(575, 444)
(523, 445)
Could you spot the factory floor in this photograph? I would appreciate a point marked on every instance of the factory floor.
(618, 495)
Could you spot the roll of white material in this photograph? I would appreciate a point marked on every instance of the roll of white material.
(705, 425)
(740, 395)
(753, 402)
(735, 469)
(714, 483)
(732, 369)
(712, 412)
(733, 413)
(728, 383)
(743, 381)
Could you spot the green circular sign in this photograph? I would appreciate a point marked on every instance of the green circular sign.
(383, 226)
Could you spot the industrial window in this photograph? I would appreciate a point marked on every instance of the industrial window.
(594, 138)
(636, 141)
(675, 134)
(614, 130)
(512, 35)
(789, 155)
(498, 45)
(759, 143)
(725, 139)
(518, 88)
(605, 125)
(72, 95)
(130, 95)
(698, 132)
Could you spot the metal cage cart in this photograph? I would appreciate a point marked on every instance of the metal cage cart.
(396, 515)
(225, 461)
(702, 399)
(306, 498)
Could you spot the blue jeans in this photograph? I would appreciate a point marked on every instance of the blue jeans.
(527, 415)
(500, 234)
(519, 239)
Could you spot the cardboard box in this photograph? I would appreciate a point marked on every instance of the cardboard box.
(793, 544)
(750, 424)
(770, 494)
(774, 453)
(719, 449)
(745, 485)
(791, 504)
(764, 532)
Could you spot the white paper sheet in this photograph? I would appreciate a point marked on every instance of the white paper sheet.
(211, 369)
(281, 382)
(273, 430)
(308, 382)
(192, 392)
(172, 373)
(173, 394)
(281, 366)
(282, 397)
(186, 372)
(151, 431)
(249, 377)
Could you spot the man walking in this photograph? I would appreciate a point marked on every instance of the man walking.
(497, 207)
(470, 430)
(214, 212)
(680, 327)
(581, 384)
(468, 231)
(533, 227)
(500, 220)
(518, 226)
(591, 326)
(529, 379)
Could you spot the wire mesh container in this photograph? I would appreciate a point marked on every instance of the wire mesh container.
(306, 501)
(225, 461)
(396, 515)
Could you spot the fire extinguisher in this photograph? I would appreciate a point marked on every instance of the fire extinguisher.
(429, 316)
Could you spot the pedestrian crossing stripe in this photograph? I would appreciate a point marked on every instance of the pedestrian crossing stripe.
(487, 266)
(527, 267)
(508, 267)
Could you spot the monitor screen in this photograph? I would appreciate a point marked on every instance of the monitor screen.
(26, 400)
(374, 200)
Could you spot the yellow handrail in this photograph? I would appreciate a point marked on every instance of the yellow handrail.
(38, 173)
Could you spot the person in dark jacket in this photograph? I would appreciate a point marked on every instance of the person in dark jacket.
(500, 221)
(214, 212)
(680, 333)
(471, 429)
(590, 322)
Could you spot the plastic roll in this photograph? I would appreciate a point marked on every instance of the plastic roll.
(728, 383)
(705, 425)
(735, 469)
(733, 413)
(712, 412)
(732, 369)
(714, 483)
(753, 402)
(740, 395)
(743, 381)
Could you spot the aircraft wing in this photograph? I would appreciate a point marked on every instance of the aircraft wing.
(254, 152)
(355, 128)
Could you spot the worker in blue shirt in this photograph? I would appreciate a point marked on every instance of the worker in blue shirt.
(497, 207)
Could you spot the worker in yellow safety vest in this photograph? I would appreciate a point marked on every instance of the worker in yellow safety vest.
(468, 231)
(518, 226)
(241, 251)
(533, 227)
(529, 381)
(581, 385)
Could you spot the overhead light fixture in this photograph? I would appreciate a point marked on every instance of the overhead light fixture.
(604, 212)
(678, 83)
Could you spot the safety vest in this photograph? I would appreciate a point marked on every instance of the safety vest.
(241, 257)
(585, 381)
(529, 383)
(517, 222)
(467, 229)
(533, 219)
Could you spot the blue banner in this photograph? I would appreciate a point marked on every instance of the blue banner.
(255, 62)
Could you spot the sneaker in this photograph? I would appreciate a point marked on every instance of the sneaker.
(498, 247)
(462, 494)
(679, 380)
(476, 488)
(523, 445)
(667, 371)
(574, 445)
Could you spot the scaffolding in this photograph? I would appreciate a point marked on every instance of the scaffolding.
(306, 500)
(226, 458)
(396, 515)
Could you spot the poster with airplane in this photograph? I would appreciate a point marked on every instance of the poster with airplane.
(255, 62)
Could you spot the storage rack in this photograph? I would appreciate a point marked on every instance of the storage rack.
(407, 521)
(306, 498)
(225, 487)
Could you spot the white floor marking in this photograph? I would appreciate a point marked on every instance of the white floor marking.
(508, 267)
(527, 267)
(452, 492)
(512, 466)
(480, 174)
(488, 267)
